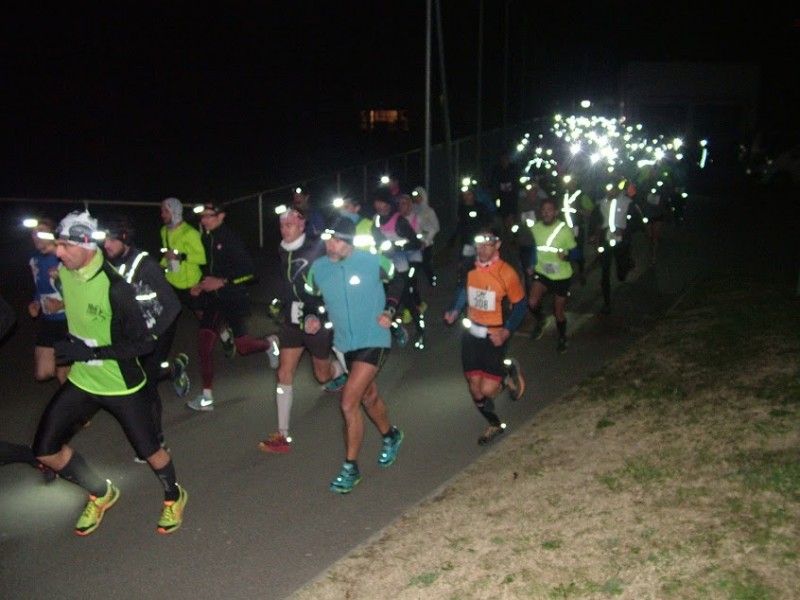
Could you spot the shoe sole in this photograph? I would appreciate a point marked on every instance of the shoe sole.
(103, 510)
(163, 531)
(182, 390)
(394, 458)
(343, 491)
(517, 391)
(333, 389)
(486, 440)
(264, 447)
(208, 408)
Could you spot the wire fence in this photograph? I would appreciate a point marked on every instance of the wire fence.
(253, 216)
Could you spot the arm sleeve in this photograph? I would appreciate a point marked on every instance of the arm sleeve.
(243, 270)
(534, 256)
(460, 300)
(574, 254)
(516, 315)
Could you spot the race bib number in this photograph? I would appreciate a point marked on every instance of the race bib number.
(550, 268)
(481, 299)
(297, 312)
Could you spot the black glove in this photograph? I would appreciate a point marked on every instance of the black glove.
(73, 349)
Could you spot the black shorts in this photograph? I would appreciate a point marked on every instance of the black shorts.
(481, 356)
(50, 332)
(70, 407)
(319, 344)
(372, 356)
(558, 287)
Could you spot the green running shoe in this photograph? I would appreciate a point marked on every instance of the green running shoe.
(180, 378)
(95, 509)
(348, 478)
(391, 444)
(172, 515)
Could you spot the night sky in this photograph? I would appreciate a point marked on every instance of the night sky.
(139, 101)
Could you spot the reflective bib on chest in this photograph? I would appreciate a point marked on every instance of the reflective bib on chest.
(481, 299)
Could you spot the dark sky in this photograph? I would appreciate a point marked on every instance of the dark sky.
(149, 99)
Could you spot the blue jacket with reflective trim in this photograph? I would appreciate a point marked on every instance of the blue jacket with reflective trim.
(354, 297)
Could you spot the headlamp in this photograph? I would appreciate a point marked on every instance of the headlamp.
(486, 238)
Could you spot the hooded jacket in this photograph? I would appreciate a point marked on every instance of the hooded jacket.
(426, 217)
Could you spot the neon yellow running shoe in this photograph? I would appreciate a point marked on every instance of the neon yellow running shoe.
(172, 515)
(95, 509)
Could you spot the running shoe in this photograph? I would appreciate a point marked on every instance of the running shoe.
(172, 513)
(400, 334)
(391, 444)
(335, 385)
(538, 330)
(276, 443)
(201, 403)
(562, 344)
(273, 352)
(180, 378)
(95, 509)
(406, 316)
(229, 345)
(514, 380)
(491, 433)
(348, 478)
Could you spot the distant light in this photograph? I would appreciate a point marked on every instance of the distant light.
(585, 103)
(338, 202)
(384, 180)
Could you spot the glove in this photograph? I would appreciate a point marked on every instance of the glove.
(73, 349)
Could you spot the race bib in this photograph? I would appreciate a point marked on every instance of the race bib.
(550, 268)
(297, 312)
(481, 299)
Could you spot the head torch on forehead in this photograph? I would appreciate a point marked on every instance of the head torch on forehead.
(486, 238)
(331, 233)
(77, 233)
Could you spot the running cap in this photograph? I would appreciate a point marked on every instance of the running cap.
(342, 228)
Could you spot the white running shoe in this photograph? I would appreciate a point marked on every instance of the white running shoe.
(274, 351)
(201, 403)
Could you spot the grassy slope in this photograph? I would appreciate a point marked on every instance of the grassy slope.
(674, 473)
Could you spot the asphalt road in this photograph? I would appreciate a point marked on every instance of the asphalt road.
(259, 525)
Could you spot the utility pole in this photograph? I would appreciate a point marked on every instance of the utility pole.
(479, 125)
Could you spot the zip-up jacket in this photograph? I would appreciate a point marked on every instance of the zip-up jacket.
(102, 311)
